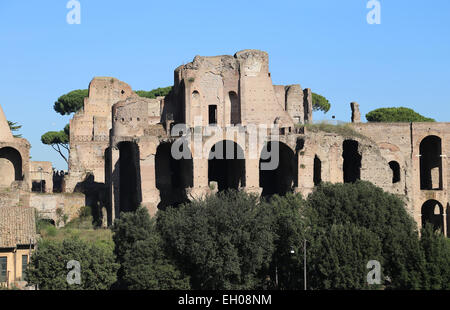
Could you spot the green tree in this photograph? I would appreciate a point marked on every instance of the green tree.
(140, 253)
(48, 266)
(289, 225)
(222, 242)
(393, 115)
(58, 140)
(320, 103)
(337, 256)
(366, 206)
(164, 91)
(13, 126)
(71, 102)
(436, 249)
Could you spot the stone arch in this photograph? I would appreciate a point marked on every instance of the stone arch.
(433, 213)
(431, 163)
(396, 175)
(130, 176)
(352, 161)
(317, 171)
(10, 166)
(235, 108)
(196, 105)
(278, 174)
(172, 176)
(226, 165)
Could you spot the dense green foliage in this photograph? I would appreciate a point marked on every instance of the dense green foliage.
(320, 103)
(338, 255)
(140, 254)
(366, 206)
(235, 240)
(48, 267)
(14, 127)
(161, 91)
(393, 115)
(436, 249)
(71, 102)
(222, 242)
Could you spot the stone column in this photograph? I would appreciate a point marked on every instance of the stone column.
(356, 115)
(150, 194)
(252, 176)
(308, 105)
(114, 187)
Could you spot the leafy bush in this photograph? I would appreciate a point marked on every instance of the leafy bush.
(140, 253)
(436, 249)
(394, 115)
(366, 206)
(164, 91)
(48, 266)
(222, 242)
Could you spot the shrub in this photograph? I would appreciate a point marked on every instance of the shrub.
(393, 115)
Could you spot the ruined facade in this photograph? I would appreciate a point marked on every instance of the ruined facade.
(235, 92)
(122, 145)
(26, 183)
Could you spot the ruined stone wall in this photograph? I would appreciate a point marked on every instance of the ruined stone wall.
(401, 142)
(47, 205)
(89, 130)
(36, 175)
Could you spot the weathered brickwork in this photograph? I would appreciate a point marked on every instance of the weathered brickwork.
(121, 145)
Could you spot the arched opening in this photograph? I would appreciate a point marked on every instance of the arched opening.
(235, 108)
(317, 171)
(226, 165)
(352, 161)
(278, 169)
(395, 167)
(196, 108)
(433, 213)
(10, 166)
(172, 176)
(130, 177)
(431, 163)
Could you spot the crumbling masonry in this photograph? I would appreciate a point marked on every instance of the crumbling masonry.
(121, 144)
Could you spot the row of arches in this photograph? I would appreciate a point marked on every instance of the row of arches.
(226, 170)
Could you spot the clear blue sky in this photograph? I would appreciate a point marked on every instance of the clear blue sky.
(325, 45)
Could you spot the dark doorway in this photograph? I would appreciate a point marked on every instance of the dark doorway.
(172, 176)
(38, 186)
(283, 178)
(395, 167)
(235, 108)
(226, 165)
(431, 163)
(433, 213)
(10, 166)
(352, 161)
(130, 183)
(317, 171)
(212, 114)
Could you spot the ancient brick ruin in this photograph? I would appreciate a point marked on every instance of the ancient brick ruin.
(121, 144)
